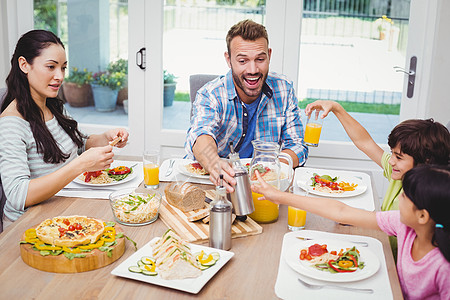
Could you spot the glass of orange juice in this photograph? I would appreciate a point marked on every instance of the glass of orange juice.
(313, 129)
(296, 216)
(151, 169)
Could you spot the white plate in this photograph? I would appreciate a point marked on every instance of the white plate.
(190, 285)
(128, 178)
(371, 261)
(182, 169)
(304, 182)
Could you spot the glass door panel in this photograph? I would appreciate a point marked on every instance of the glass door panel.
(95, 35)
(194, 43)
(348, 53)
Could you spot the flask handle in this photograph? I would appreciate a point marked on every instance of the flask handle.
(290, 163)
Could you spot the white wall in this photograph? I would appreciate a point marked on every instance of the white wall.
(439, 104)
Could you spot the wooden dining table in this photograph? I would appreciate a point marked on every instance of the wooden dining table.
(250, 274)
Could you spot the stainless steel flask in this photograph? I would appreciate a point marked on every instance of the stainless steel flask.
(241, 198)
(220, 219)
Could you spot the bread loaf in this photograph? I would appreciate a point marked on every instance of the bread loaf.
(185, 196)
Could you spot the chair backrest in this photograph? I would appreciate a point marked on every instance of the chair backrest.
(196, 81)
(2, 95)
(2, 193)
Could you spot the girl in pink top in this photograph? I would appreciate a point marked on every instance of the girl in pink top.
(421, 225)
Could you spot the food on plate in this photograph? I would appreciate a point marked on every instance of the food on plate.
(333, 262)
(327, 184)
(196, 168)
(266, 173)
(185, 196)
(72, 236)
(136, 208)
(173, 257)
(106, 176)
(70, 231)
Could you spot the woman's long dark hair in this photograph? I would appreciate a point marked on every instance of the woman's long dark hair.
(30, 46)
(428, 188)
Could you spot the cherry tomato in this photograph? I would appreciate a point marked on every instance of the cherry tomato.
(71, 228)
(308, 257)
(302, 256)
(78, 226)
(67, 222)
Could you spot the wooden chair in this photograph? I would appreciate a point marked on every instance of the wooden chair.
(197, 81)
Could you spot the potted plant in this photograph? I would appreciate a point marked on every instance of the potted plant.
(383, 24)
(77, 90)
(170, 85)
(120, 65)
(105, 86)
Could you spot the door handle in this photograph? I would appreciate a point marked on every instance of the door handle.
(140, 58)
(411, 75)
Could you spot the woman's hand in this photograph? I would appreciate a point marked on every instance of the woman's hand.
(96, 158)
(117, 132)
(270, 193)
(325, 105)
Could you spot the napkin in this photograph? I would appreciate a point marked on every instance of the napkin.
(78, 190)
(177, 172)
(363, 201)
(288, 287)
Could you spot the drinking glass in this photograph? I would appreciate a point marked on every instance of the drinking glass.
(313, 129)
(296, 216)
(151, 169)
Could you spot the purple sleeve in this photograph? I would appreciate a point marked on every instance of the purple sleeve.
(389, 221)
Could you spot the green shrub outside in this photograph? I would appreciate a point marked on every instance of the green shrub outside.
(79, 77)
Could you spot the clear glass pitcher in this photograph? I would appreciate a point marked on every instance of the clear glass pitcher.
(266, 159)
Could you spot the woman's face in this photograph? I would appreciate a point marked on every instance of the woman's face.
(46, 74)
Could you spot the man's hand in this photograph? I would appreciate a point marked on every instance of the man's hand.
(222, 167)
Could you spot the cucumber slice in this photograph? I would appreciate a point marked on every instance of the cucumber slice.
(202, 267)
(140, 263)
(148, 273)
(134, 269)
(147, 260)
(215, 255)
(197, 254)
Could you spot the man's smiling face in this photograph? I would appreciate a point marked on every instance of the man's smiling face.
(249, 63)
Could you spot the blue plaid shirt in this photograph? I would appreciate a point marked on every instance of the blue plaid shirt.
(218, 112)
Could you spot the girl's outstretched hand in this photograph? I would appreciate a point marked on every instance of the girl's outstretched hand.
(270, 193)
(319, 105)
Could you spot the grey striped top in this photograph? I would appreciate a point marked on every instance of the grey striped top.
(20, 162)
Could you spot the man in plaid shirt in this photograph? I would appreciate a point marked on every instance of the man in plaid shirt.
(246, 104)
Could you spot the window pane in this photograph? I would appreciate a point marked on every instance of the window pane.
(95, 34)
(194, 43)
(348, 51)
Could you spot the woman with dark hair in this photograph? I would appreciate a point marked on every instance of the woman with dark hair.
(421, 225)
(41, 148)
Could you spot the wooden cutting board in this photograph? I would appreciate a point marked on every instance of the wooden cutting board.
(198, 232)
(60, 264)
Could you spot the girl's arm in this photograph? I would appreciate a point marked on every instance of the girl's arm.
(357, 133)
(45, 187)
(98, 140)
(324, 207)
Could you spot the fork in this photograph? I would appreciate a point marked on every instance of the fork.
(170, 168)
(330, 286)
(362, 244)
